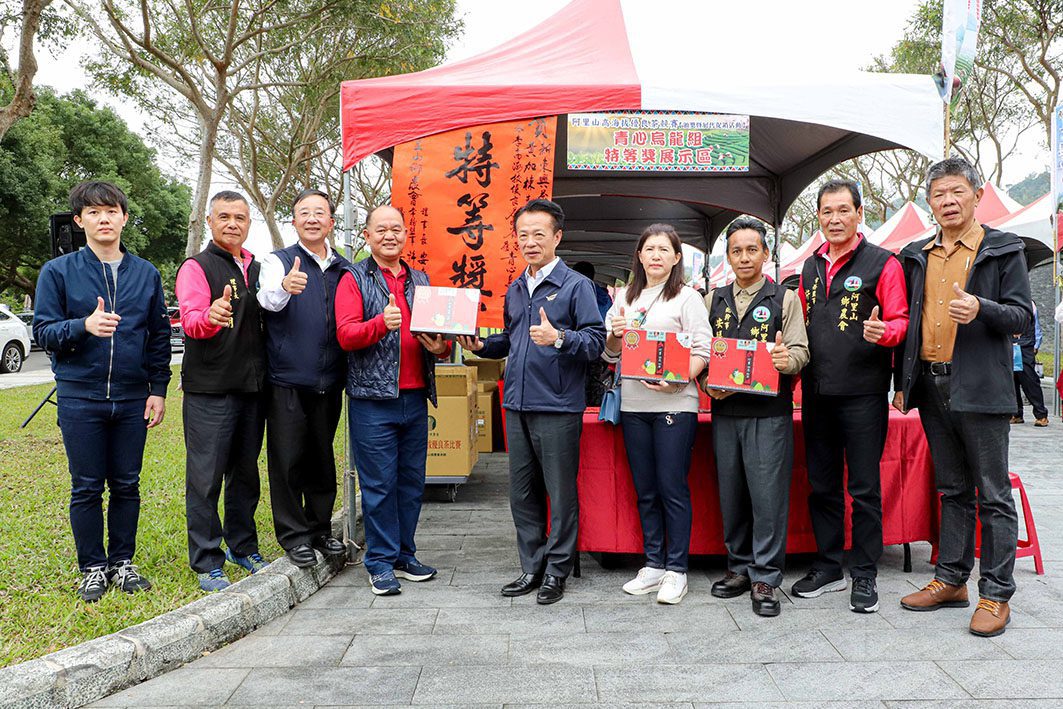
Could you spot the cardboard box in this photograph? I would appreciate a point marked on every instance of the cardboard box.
(451, 436)
(455, 380)
(482, 387)
(445, 311)
(743, 366)
(655, 356)
(485, 414)
(487, 370)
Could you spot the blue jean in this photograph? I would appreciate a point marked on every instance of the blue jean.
(104, 443)
(389, 443)
(659, 447)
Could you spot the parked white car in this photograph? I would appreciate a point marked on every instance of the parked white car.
(15, 341)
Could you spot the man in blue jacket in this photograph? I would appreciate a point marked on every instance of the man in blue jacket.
(101, 314)
(969, 293)
(552, 331)
(306, 369)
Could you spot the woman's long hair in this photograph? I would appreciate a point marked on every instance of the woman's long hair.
(674, 284)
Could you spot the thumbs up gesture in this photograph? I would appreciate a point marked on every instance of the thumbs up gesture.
(780, 355)
(618, 323)
(544, 333)
(295, 282)
(392, 314)
(964, 308)
(874, 328)
(100, 322)
(221, 310)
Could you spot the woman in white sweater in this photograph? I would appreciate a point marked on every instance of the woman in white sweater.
(659, 420)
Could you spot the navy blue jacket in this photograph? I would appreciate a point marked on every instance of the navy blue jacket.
(982, 378)
(131, 364)
(542, 377)
(373, 372)
(301, 345)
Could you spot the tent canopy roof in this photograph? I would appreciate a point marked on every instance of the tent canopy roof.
(607, 55)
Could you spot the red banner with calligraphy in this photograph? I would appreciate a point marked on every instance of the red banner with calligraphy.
(459, 191)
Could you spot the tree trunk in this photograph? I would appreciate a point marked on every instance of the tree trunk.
(208, 138)
(23, 99)
(274, 228)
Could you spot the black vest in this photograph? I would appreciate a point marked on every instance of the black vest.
(841, 361)
(301, 345)
(232, 361)
(723, 315)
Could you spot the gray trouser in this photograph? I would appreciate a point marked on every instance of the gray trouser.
(970, 454)
(544, 462)
(754, 464)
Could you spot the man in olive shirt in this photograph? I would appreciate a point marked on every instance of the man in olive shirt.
(969, 292)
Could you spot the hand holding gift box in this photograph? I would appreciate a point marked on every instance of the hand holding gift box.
(445, 311)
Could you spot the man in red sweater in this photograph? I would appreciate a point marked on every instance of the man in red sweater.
(390, 379)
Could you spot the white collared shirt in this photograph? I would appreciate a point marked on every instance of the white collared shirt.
(271, 293)
(540, 276)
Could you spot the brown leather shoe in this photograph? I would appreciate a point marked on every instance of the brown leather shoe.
(1041, 423)
(936, 594)
(990, 618)
(1016, 419)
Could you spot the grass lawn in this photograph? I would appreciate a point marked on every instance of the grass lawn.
(39, 610)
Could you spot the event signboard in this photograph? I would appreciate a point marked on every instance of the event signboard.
(658, 141)
(458, 192)
(1057, 172)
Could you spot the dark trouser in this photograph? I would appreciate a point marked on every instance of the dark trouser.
(544, 462)
(659, 447)
(970, 454)
(389, 441)
(223, 437)
(1027, 381)
(849, 430)
(104, 443)
(754, 464)
(301, 426)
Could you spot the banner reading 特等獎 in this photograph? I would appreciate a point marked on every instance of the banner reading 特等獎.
(458, 192)
(658, 142)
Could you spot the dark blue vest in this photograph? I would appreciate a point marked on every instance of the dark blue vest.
(301, 346)
(373, 372)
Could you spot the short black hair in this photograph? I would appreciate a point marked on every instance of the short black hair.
(227, 196)
(585, 268)
(838, 186)
(745, 222)
(545, 206)
(313, 193)
(96, 193)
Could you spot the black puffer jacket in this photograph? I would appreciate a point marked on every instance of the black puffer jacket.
(982, 378)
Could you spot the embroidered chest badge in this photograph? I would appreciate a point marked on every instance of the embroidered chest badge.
(761, 314)
(853, 283)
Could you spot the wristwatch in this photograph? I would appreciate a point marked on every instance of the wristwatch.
(560, 339)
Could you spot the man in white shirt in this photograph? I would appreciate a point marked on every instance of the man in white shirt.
(306, 369)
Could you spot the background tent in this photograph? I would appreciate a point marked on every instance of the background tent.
(609, 55)
(1033, 223)
(907, 223)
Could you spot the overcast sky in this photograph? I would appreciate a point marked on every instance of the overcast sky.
(848, 34)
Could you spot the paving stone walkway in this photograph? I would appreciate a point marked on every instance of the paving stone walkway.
(456, 641)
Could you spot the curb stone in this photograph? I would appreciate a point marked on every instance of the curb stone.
(84, 673)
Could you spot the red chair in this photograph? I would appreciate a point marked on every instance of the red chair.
(1025, 547)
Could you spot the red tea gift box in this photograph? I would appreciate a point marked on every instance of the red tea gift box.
(743, 366)
(654, 356)
(445, 311)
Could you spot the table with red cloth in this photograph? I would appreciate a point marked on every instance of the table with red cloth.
(609, 518)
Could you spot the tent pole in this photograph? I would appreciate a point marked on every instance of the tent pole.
(1056, 403)
(350, 492)
(948, 129)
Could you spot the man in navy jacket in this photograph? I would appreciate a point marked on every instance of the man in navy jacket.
(306, 369)
(101, 314)
(553, 330)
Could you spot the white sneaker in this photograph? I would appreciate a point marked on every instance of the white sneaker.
(673, 588)
(647, 581)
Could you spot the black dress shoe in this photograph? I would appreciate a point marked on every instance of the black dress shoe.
(552, 590)
(524, 584)
(329, 546)
(732, 585)
(764, 601)
(302, 556)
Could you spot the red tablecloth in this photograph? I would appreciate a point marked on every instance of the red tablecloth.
(609, 520)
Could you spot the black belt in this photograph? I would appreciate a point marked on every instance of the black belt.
(938, 369)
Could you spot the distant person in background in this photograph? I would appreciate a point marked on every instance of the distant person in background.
(599, 375)
(659, 420)
(101, 315)
(1026, 380)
